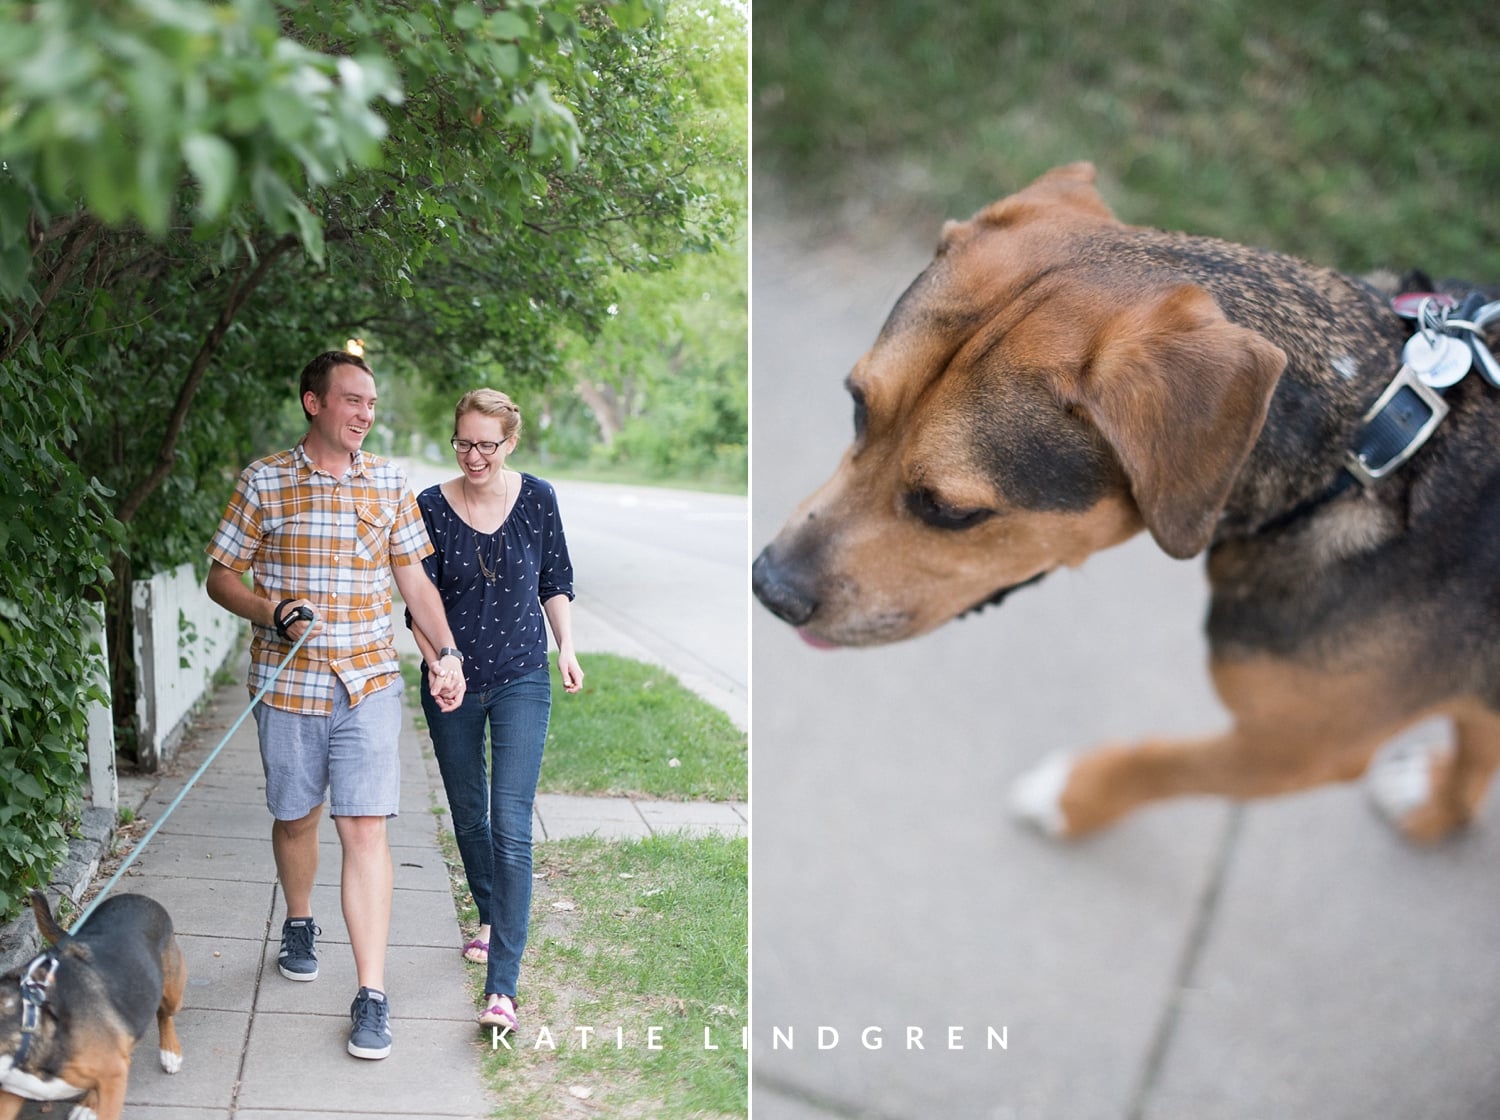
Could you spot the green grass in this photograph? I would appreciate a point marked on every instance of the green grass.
(635, 730)
(1358, 134)
(626, 937)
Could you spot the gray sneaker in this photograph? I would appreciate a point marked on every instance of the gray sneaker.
(370, 1036)
(298, 959)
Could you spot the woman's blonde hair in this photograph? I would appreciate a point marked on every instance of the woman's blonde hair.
(490, 402)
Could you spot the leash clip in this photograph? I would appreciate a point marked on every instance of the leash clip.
(36, 985)
(1399, 422)
(34, 989)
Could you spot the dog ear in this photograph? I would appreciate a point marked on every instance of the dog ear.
(1070, 186)
(1181, 394)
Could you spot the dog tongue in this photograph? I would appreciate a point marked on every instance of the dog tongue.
(815, 641)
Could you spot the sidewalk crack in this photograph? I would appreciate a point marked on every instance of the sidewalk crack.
(635, 803)
(260, 973)
(1187, 965)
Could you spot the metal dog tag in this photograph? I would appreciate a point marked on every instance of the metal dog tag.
(1440, 360)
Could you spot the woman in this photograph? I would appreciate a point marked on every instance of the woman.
(501, 562)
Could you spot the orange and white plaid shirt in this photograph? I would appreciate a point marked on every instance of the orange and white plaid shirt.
(305, 534)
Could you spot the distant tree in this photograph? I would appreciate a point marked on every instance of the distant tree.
(666, 377)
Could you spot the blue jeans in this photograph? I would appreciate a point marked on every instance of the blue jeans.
(492, 814)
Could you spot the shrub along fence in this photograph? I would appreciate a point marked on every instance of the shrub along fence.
(65, 784)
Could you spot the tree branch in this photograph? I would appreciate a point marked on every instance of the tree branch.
(81, 239)
(166, 456)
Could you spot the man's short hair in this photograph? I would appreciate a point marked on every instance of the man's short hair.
(316, 373)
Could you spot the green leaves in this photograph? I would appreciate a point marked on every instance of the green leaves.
(509, 25)
(54, 550)
(107, 105)
(554, 129)
(215, 165)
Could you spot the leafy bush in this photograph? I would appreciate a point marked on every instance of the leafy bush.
(699, 432)
(52, 521)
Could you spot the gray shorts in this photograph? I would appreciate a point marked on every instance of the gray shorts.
(353, 753)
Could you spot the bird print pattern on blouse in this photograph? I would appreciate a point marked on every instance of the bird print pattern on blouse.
(499, 626)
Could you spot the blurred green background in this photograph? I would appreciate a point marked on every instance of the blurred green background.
(1357, 135)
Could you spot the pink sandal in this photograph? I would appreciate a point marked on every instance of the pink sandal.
(499, 1014)
(482, 948)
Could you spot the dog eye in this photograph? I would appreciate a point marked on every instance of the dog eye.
(926, 505)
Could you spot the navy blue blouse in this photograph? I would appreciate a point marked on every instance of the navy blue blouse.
(499, 625)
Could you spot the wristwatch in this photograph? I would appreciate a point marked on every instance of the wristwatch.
(449, 651)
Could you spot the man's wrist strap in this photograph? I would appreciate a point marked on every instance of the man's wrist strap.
(283, 625)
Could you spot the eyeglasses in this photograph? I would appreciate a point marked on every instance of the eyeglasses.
(485, 447)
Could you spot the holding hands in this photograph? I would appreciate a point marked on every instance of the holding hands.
(445, 679)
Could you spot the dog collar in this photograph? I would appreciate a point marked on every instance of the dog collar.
(1410, 408)
(1394, 429)
(1448, 341)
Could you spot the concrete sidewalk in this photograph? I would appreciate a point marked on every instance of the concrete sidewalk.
(258, 1046)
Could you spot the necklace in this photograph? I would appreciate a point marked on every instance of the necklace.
(490, 577)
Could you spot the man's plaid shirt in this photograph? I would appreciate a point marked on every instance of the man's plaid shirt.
(307, 535)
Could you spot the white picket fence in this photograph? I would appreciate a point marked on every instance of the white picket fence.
(182, 638)
(104, 785)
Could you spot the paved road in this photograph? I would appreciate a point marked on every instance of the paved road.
(665, 569)
(1290, 959)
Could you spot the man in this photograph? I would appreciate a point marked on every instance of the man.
(325, 527)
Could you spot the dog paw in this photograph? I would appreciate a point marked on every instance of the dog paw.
(1400, 783)
(171, 1062)
(1036, 796)
(83, 1112)
(1405, 788)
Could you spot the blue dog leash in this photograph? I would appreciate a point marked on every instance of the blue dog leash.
(36, 982)
(300, 612)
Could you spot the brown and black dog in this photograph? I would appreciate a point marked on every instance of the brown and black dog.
(92, 998)
(1055, 381)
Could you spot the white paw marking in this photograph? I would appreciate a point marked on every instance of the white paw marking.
(82, 1112)
(171, 1062)
(1036, 796)
(1400, 782)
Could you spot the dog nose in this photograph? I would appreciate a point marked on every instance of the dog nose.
(775, 588)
